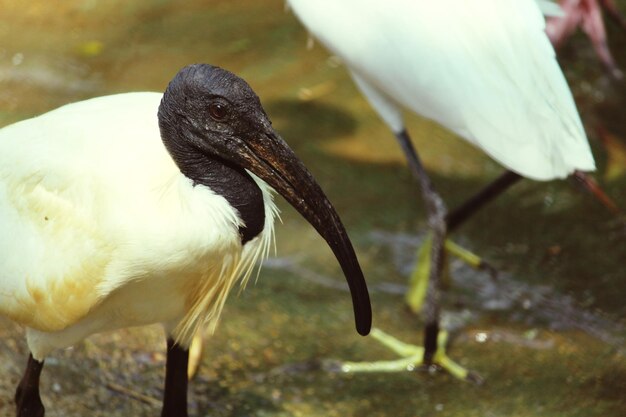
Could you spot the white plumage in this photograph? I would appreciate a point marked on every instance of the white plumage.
(142, 208)
(100, 230)
(484, 69)
(550, 8)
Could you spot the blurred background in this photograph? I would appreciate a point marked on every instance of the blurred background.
(548, 335)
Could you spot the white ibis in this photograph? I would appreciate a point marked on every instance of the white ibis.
(484, 69)
(146, 208)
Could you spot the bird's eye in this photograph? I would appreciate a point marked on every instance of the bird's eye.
(218, 111)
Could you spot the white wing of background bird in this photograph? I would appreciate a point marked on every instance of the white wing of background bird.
(549, 8)
(482, 68)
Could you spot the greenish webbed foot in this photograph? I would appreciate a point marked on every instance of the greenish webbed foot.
(412, 358)
(418, 282)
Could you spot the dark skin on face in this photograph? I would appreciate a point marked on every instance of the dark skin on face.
(215, 129)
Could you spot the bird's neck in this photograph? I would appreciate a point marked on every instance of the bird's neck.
(232, 183)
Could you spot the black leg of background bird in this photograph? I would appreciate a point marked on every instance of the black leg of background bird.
(458, 216)
(441, 223)
(175, 395)
(436, 220)
(27, 397)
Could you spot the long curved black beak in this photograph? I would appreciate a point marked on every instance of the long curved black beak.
(271, 159)
(238, 131)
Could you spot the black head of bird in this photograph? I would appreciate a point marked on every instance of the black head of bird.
(208, 112)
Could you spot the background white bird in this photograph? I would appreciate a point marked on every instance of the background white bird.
(483, 69)
(113, 217)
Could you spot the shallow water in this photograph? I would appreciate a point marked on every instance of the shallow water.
(547, 336)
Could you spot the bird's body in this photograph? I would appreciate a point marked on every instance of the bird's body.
(109, 238)
(483, 69)
(145, 208)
